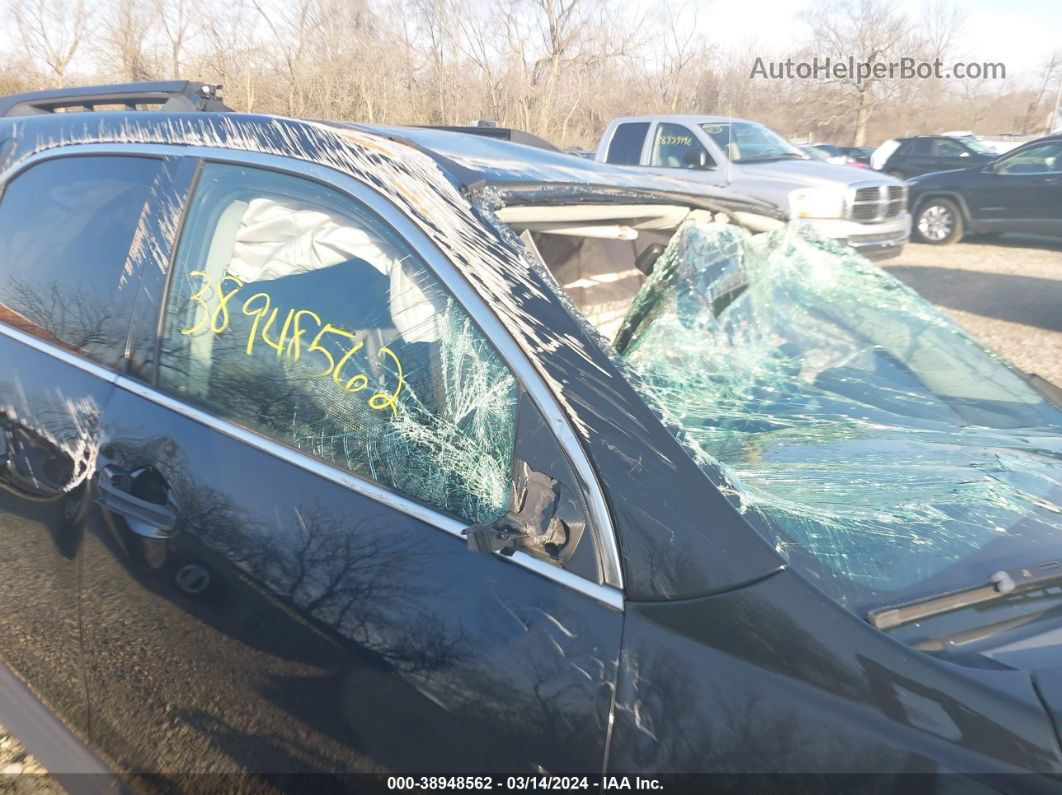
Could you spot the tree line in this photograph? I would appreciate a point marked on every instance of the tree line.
(558, 68)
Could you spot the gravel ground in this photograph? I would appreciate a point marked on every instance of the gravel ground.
(1006, 291)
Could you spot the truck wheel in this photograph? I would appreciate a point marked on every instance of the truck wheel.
(938, 222)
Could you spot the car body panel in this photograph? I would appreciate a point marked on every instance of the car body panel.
(739, 681)
(49, 424)
(334, 634)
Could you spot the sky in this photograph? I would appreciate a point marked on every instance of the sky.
(1018, 33)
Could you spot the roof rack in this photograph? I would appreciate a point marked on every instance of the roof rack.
(170, 95)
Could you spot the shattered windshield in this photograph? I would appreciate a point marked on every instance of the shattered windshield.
(746, 142)
(876, 445)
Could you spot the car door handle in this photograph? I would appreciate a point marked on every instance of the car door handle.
(149, 519)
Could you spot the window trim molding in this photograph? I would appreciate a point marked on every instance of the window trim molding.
(610, 593)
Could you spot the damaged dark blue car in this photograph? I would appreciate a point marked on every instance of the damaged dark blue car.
(330, 449)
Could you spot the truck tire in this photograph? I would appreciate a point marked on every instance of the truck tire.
(938, 222)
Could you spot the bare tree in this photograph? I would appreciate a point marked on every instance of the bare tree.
(52, 31)
(870, 30)
(176, 18)
(682, 49)
(123, 40)
(1052, 68)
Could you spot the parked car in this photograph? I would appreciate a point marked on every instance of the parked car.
(866, 211)
(921, 154)
(861, 154)
(317, 459)
(815, 153)
(1020, 191)
(841, 155)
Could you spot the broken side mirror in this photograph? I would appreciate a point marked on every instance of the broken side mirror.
(531, 524)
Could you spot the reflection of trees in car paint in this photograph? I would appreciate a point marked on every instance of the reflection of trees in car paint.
(218, 319)
(72, 319)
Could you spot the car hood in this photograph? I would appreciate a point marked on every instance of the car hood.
(813, 172)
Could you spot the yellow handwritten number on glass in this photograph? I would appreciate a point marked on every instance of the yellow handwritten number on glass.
(199, 297)
(315, 346)
(383, 400)
(220, 321)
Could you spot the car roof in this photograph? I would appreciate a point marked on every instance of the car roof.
(1051, 137)
(507, 164)
(468, 161)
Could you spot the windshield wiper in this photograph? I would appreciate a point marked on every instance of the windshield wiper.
(999, 585)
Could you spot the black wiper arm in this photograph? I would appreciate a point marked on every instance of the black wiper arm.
(999, 585)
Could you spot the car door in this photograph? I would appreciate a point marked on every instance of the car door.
(949, 155)
(285, 588)
(68, 280)
(914, 157)
(1025, 188)
(676, 150)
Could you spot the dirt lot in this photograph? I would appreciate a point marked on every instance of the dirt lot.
(1007, 291)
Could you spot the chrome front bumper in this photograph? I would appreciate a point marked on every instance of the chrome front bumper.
(879, 240)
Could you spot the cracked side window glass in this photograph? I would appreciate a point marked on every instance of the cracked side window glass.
(875, 444)
(296, 312)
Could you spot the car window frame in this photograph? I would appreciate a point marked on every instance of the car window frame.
(650, 143)
(609, 593)
(163, 181)
(650, 127)
(1001, 160)
(374, 224)
(913, 146)
(965, 151)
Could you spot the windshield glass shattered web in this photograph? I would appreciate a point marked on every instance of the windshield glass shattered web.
(875, 444)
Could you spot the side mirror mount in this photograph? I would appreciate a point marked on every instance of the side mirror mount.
(696, 160)
(531, 523)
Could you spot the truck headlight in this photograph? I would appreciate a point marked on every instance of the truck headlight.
(816, 203)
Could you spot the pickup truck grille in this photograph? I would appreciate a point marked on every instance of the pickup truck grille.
(878, 203)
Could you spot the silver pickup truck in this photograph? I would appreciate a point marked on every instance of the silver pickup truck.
(866, 210)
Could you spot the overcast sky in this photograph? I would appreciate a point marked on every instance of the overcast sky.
(1020, 33)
